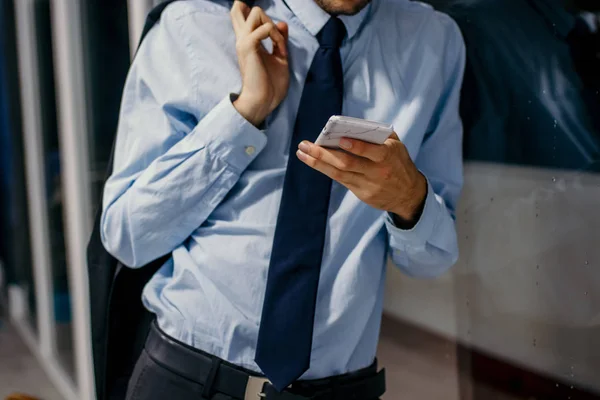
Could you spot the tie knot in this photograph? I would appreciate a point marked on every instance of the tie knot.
(332, 34)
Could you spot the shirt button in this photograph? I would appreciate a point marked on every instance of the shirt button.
(250, 150)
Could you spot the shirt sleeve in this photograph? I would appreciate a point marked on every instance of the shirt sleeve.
(431, 246)
(176, 157)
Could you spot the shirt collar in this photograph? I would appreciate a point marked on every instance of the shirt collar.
(555, 13)
(314, 17)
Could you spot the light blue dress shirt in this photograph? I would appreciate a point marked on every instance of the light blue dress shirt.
(194, 178)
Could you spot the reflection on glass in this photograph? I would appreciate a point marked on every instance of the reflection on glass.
(526, 97)
(521, 307)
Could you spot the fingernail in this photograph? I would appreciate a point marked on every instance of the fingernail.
(301, 155)
(304, 147)
(345, 143)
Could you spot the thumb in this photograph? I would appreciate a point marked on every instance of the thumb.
(281, 48)
(283, 29)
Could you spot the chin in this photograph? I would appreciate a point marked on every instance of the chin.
(342, 7)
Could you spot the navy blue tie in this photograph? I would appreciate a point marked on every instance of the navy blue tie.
(286, 328)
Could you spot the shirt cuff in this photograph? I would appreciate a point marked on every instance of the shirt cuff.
(230, 137)
(422, 231)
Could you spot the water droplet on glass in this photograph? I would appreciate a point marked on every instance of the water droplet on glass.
(553, 179)
(571, 388)
(557, 385)
(537, 266)
(534, 343)
(537, 284)
(587, 262)
(536, 215)
(586, 293)
(555, 123)
(492, 199)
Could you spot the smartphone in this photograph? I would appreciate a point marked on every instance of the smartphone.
(355, 128)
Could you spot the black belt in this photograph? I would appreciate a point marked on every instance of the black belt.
(219, 376)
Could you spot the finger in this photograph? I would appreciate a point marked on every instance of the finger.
(239, 12)
(373, 152)
(394, 144)
(237, 20)
(344, 177)
(256, 18)
(338, 159)
(284, 29)
(281, 48)
(269, 30)
(244, 7)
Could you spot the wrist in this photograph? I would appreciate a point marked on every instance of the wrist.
(408, 214)
(253, 111)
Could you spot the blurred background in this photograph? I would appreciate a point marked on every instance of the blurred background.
(517, 318)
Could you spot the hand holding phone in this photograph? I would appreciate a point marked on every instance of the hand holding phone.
(339, 127)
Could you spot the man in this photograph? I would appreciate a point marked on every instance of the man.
(531, 86)
(279, 246)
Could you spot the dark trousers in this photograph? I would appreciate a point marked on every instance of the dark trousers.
(160, 375)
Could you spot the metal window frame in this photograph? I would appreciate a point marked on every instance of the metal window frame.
(67, 18)
(34, 169)
(137, 11)
(43, 344)
(73, 115)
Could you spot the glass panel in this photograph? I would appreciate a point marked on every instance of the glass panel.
(519, 316)
(106, 51)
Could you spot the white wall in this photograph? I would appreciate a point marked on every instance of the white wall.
(526, 287)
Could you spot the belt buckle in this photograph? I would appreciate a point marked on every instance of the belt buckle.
(254, 388)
